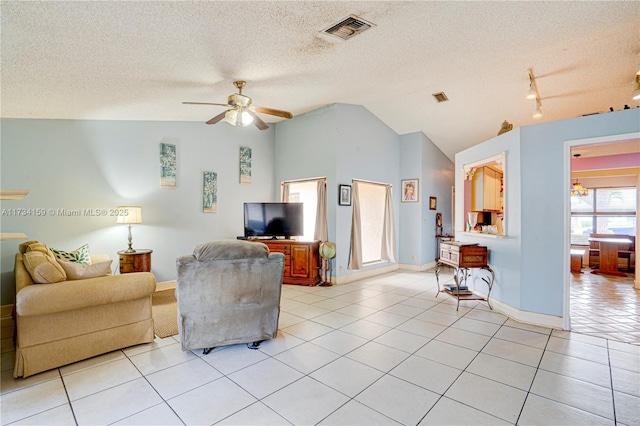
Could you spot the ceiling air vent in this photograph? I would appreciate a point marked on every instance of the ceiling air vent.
(440, 97)
(349, 27)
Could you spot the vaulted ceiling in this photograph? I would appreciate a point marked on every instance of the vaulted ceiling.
(139, 60)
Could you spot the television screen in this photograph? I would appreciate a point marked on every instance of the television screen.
(273, 220)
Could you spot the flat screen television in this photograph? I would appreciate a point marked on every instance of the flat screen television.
(273, 220)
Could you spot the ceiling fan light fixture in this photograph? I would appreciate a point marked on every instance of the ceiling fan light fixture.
(235, 118)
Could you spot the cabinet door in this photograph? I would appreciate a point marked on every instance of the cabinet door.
(300, 261)
(489, 189)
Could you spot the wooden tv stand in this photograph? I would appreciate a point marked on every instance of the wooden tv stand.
(301, 260)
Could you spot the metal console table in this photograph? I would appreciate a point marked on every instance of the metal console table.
(463, 257)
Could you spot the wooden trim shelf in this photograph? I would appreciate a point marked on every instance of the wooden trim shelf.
(13, 194)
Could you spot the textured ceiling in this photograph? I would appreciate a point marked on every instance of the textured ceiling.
(140, 60)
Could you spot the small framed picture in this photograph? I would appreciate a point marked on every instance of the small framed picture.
(432, 203)
(410, 191)
(344, 195)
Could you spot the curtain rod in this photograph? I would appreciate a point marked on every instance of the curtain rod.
(303, 180)
(372, 182)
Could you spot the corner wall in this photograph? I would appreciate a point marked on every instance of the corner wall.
(85, 164)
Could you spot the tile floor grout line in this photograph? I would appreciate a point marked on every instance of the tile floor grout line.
(613, 393)
(544, 350)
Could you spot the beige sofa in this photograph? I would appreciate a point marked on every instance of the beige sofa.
(228, 292)
(71, 320)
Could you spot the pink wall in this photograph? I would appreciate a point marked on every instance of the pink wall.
(606, 162)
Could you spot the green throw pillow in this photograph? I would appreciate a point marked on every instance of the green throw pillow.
(80, 255)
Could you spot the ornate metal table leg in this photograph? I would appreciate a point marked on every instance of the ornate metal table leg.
(437, 271)
(489, 282)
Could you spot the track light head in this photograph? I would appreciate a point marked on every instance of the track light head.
(537, 113)
(636, 93)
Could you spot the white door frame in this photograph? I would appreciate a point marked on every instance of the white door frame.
(566, 317)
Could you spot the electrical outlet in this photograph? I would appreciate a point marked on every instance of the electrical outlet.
(341, 268)
(413, 258)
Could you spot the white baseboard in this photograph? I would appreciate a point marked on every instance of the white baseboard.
(533, 318)
(345, 279)
(417, 268)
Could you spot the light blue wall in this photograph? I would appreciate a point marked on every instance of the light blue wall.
(420, 158)
(341, 142)
(543, 200)
(368, 150)
(529, 263)
(504, 254)
(82, 164)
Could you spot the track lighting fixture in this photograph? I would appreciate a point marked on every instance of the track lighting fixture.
(534, 94)
(636, 93)
(537, 112)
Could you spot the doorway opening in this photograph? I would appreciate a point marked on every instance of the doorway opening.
(603, 176)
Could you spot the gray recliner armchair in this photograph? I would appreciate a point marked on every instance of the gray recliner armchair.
(228, 292)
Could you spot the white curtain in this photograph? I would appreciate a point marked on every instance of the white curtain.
(321, 233)
(388, 249)
(355, 254)
(284, 193)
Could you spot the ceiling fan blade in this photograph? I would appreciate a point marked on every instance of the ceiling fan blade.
(217, 118)
(205, 103)
(260, 124)
(271, 111)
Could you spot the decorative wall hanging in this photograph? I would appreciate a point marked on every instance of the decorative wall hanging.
(410, 191)
(245, 165)
(167, 166)
(344, 195)
(432, 203)
(209, 192)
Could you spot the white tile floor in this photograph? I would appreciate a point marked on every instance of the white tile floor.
(381, 351)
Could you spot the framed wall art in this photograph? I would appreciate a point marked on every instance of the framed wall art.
(410, 191)
(209, 192)
(245, 165)
(167, 166)
(432, 203)
(344, 195)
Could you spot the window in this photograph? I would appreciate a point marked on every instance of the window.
(372, 198)
(306, 192)
(373, 234)
(313, 194)
(603, 211)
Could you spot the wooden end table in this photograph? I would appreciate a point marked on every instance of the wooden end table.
(137, 261)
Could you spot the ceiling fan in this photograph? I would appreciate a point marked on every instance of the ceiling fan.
(241, 111)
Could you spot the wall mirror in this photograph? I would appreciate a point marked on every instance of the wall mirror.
(484, 196)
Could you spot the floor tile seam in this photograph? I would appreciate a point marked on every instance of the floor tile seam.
(575, 356)
(44, 411)
(530, 331)
(577, 378)
(522, 344)
(4, 393)
(259, 401)
(535, 374)
(613, 393)
(575, 407)
(567, 405)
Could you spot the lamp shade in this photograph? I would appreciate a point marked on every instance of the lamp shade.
(129, 214)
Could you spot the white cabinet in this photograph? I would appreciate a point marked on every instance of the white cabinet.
(486, 190)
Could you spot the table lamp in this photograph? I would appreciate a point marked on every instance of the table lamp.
(129, 215)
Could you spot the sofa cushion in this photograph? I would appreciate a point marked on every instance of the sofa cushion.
(22, 248)
(230, 249)
(81, 271)
(79, 255)
(43, 267)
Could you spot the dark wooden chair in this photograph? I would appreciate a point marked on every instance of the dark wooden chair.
(629, 253)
